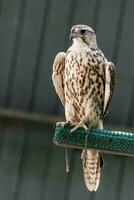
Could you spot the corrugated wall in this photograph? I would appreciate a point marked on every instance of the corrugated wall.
(31, 33)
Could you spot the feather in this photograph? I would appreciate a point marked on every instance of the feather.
(58, 75)
(109, 86)
(92, 164)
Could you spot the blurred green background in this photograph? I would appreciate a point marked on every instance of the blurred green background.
(31, 34)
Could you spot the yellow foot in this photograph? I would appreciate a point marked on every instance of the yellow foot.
(81, 124)
(63, 123)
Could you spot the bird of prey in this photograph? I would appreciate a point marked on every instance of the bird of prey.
(84, 81)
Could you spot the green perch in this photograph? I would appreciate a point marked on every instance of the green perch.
(108, 141)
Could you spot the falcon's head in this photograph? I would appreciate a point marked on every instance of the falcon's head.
(84, 33)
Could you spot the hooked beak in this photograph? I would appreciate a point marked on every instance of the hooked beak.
(74, 35)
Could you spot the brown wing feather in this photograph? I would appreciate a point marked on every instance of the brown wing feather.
(109, 86)
(58, 75)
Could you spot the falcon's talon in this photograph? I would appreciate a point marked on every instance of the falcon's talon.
(81, 124)
(63, 124)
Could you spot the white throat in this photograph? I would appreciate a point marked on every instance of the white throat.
(78, 44)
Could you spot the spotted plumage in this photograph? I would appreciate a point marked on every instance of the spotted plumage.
(84, 81)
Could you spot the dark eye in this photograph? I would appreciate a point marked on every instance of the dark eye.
(83, 31)
(73, 31)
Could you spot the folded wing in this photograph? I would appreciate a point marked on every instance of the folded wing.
(58, 75)
(109, 86)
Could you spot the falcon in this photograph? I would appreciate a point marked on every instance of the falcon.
(84, 81)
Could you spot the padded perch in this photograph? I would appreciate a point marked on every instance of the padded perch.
(108, 141)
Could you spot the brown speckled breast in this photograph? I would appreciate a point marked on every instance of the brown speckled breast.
(84, 83)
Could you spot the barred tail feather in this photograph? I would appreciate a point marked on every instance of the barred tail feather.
(92, 164)
(91, 169)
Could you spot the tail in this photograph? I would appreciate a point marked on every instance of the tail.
(92, 164)
(91, 169)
